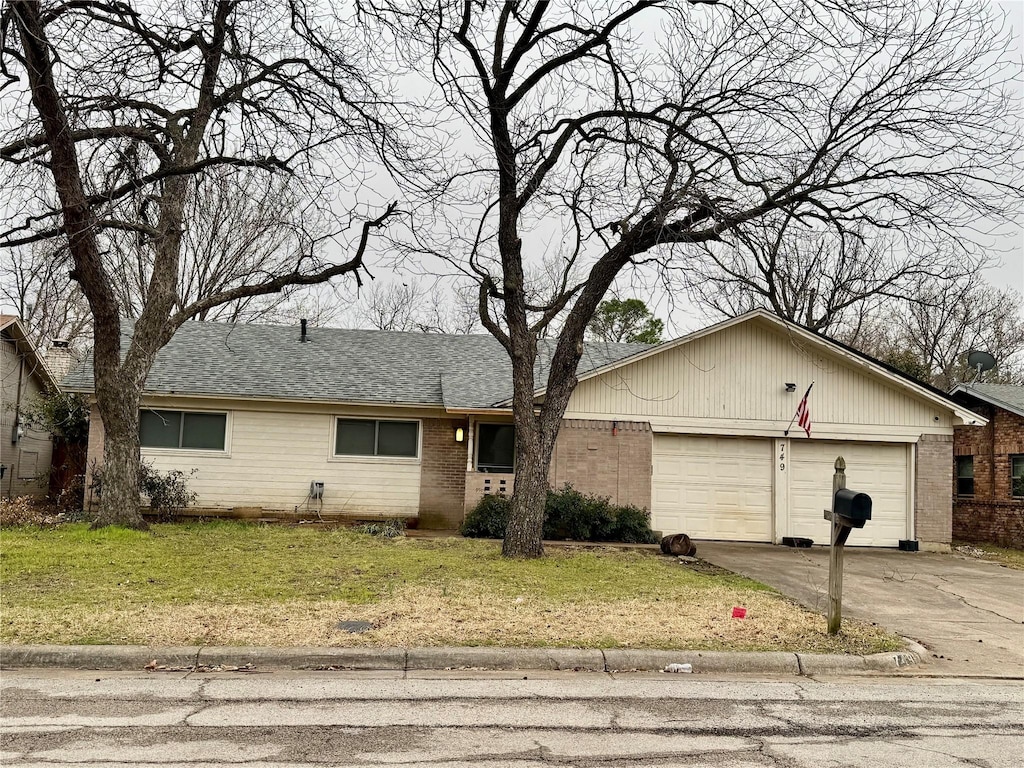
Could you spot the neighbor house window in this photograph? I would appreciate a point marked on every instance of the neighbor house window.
(376, 437)
(1017, 477)
(964, 475)
(496, 448)
(182, 429)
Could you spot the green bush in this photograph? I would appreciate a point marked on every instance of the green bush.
(488, 518)
(633, 526)
(568, 514)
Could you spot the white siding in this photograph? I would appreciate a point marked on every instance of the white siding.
(733, 382)
(271, 458)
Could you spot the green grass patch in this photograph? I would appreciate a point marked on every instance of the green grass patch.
(235, 583)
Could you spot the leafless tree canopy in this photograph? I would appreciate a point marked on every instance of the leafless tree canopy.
(642, 131)
(933, 332)
(118, 115)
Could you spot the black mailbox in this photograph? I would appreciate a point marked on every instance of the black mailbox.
(852, 505)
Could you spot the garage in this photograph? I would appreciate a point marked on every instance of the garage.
(712, 487)
(879, 469)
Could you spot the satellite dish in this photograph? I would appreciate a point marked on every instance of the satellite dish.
(980, 361)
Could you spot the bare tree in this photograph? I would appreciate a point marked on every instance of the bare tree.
(823, 279)
(640, 131)
(117, 111)
(931, 335)
(34, 282)
(411, 305)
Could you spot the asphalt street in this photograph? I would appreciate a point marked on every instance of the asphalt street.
(450, 719)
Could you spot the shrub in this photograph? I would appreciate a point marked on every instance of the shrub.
(168, 492)
(569, 514)
(633, 526)
(488, 518)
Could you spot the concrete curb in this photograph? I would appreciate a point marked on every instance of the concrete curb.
(137, 657)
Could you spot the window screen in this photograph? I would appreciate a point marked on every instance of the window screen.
(182, 429)
(203, 430)
(369, 437)
(1017, 476)
(396, 438)
(496, 445)
(965, 476)
(160, 429)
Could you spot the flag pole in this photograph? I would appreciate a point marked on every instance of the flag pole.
(786, 433)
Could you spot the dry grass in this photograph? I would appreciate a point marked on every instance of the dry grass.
(292, 586)
(1011, 558)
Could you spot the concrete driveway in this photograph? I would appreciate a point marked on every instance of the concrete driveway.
(968, 613)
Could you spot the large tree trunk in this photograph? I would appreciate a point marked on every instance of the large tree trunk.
(119, 496)
(534, 446)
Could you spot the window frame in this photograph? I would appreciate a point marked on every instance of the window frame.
(163, 449)
(476, 452)
(1018, 458)
(960, 460)
(333, 455)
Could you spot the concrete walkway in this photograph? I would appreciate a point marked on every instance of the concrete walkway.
(968, 613)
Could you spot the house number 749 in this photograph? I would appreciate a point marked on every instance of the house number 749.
(782, 458)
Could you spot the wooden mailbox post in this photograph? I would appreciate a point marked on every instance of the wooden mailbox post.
(849, 510)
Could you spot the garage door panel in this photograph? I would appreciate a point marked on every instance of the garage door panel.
(879, 469)
(712, 488)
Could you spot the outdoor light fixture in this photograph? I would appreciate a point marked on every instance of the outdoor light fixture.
(790, 387)
(460, 434)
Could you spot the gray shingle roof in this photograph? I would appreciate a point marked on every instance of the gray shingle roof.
(265, 361)
(1006, 396)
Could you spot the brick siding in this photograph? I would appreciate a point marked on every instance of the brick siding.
(933, 500)
(991, 515)
(443, 474)
(602, 458)
(605, 458)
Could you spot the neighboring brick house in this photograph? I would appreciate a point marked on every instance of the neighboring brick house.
(420, 425)
(988, 483)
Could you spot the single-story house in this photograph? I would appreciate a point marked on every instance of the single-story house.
(988, 481)
(25, 450)
(411, 424)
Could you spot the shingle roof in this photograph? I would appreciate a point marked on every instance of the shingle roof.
(265, 361)
(1006, 396)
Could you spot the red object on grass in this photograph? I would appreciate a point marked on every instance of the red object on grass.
(739, 613)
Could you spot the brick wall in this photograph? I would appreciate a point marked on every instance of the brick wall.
(592, 459)
(443, 475)
(94, 454)
(933, 498)
(605, 458)
(992, 515)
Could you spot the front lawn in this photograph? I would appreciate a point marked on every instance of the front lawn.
(234, 584)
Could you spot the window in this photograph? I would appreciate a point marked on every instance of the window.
(496, 448)
(372, 437)
(964, 475)
(1017, 477)
(182, 429)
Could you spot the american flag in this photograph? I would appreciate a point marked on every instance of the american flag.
(803, 413)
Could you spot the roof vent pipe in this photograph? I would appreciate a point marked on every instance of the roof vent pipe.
(302, 324)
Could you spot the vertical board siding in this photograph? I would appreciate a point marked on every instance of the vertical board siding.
(28, 460)
(740, 372)
(273, 457)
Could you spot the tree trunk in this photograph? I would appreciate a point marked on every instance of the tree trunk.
(524, 534)
(118, 404)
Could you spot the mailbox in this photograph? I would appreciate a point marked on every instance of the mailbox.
(854, 506)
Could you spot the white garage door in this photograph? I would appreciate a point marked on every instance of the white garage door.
(712, 487)
(878, 469)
